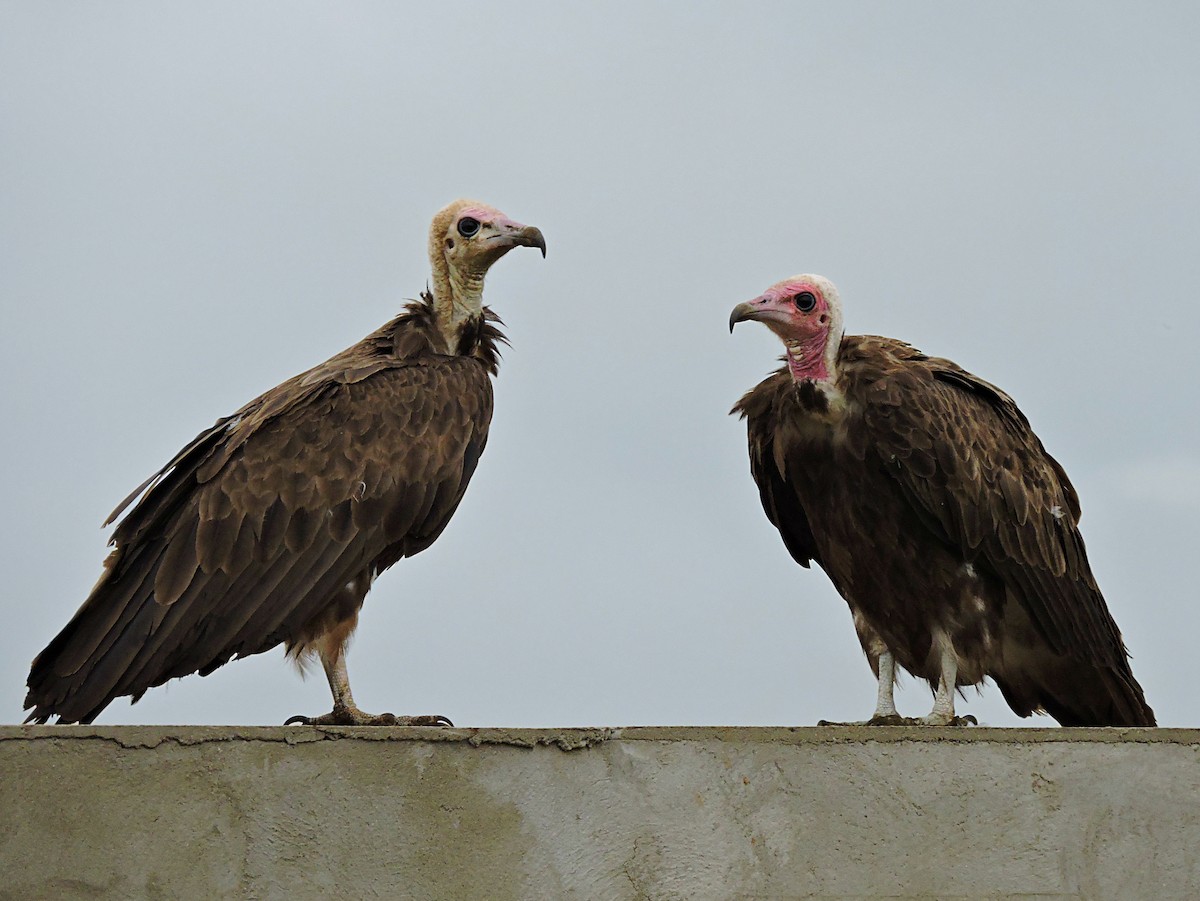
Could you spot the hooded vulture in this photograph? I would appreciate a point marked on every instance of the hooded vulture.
(924, 495)
(269, 527)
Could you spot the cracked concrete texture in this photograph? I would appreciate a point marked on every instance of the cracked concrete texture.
(645, 813)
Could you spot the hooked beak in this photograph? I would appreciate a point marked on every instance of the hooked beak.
(511, 234)
(751, 309)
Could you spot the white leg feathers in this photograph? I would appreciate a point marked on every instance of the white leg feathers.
(885, 705)
(943, 701)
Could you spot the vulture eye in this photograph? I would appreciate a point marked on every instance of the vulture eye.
(468, 226)
(805, 301)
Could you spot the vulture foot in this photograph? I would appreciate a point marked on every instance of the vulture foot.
(352, 716)
(891, 719)
(935, 720)
(895, 719)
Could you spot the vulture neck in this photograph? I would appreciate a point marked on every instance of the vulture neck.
(457, 303)
(814, 357)
(812, 362)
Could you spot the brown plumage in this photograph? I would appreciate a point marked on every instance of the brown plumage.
(936, 512)
(270, 526)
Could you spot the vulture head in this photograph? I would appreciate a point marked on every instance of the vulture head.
(465, 239)
(470, 236)
(806, 314)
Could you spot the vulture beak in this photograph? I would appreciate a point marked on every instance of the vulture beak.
(511, 234)
(743, 311)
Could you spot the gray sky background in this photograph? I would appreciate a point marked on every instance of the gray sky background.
(200, 200)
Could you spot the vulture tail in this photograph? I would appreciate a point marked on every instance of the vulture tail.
(90, 662)
(78, 673)
(1079, 693)
(1101, 696)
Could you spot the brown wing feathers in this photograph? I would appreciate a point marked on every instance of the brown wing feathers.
(242, 539)
(997, 495)
(974, 479)
(759, 407)
(969, 461)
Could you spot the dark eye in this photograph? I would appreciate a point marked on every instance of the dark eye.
(805, 301)
(467, 226)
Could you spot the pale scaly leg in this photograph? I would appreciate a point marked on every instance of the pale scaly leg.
(885, 706)
(332, 651)
(943, 701)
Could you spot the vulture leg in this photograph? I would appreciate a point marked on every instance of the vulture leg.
(943, 701)
(885, 706)
(331, 648)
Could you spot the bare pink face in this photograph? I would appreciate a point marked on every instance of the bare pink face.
(795, 309)
(804, 312)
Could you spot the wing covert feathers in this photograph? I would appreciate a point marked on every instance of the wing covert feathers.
(241, 541)
(975, 480)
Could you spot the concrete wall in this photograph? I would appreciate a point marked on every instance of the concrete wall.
(296, 813)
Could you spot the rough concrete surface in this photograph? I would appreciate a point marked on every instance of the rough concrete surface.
(646, 813)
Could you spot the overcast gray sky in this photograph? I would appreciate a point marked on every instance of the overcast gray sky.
(200, 200)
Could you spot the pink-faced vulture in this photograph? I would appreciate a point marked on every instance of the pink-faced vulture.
(270, 527)
(924, 495)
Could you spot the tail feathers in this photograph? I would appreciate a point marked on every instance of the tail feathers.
(123, 641)
(74, 677)
(88, 664)
(1113, 698)
(1078, 693)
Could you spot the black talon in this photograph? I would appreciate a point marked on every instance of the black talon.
(432, 719)
(348, 717)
